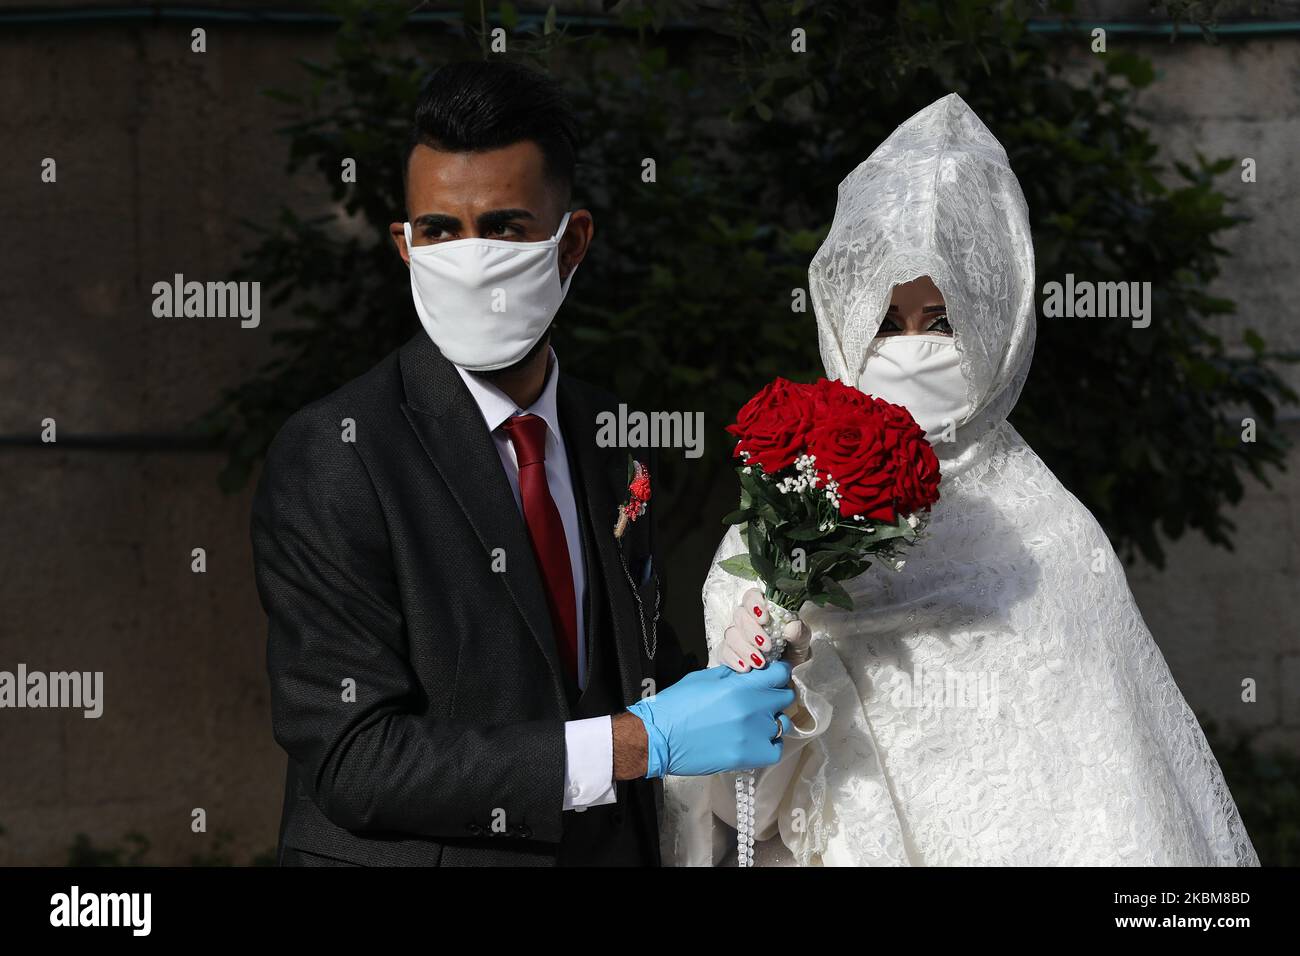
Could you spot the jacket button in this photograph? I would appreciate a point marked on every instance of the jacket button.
(474, 828)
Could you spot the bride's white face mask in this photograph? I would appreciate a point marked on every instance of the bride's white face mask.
(922, 373)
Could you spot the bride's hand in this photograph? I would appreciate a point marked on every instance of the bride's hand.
(747, 641)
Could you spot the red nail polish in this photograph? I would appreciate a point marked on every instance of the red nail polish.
(758, 661)
(740, 662)
(758, 611)
(758, 639)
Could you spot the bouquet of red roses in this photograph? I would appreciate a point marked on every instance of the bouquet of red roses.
(829, 477)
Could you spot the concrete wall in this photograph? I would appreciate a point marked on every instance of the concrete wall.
(1223, 616)
(159, 153)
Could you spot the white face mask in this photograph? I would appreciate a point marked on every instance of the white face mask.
(486, 302)
(923, 374)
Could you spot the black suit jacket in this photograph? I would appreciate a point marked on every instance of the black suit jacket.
(375, 563)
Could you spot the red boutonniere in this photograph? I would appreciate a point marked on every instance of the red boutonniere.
(638, 496)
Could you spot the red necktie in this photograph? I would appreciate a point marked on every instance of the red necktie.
(546, 533)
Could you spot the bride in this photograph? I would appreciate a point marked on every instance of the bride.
(998, 701)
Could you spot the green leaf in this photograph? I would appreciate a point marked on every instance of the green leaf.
(836, 594)
(758, 488)
(885, 532)
(763, 513)
(740, 566)
(1134, 68)
(809, 531)
(821, 561)
(760, 561)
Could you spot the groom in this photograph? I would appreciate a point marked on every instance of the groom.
(467, 666)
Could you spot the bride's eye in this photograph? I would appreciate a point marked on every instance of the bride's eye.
(941, 326)
(888, 327)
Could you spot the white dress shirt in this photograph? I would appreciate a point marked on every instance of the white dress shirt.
(588, 744)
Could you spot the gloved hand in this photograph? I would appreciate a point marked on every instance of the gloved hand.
(716, 720)
(748, 641)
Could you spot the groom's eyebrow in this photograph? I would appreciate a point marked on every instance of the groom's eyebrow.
(436, 220)
(502, 217)
(492, 219)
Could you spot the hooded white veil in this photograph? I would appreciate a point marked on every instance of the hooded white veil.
(999, 701)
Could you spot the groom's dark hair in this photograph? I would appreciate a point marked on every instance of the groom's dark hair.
(475, 105)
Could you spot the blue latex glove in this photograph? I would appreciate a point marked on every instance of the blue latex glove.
(716, 720)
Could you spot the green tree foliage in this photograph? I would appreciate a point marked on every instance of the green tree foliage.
(685, 302)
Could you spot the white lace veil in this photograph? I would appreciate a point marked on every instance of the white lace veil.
(936, 198)
(1075, 746)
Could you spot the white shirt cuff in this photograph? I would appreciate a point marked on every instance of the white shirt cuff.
(589, 763)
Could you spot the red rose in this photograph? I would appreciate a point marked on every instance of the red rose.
(849, 444)
(875, 451)
(872, 449)
(916, 474)
(831, 397)
(773, 426)
(916, 467)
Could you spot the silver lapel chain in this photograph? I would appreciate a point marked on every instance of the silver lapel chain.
(651, 642)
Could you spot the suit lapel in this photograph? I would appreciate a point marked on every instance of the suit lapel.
(601, 474)
(451, 429)
(594, 591)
